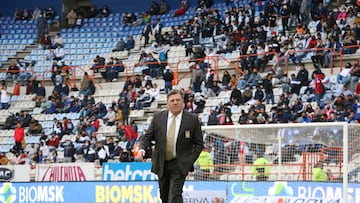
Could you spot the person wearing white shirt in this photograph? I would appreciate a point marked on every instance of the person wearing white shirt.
(59, 53)
(102, 152)
(4, 98)
(344, 76)
(155, 91)
(58, 41)
(44, 148)
(110, 117)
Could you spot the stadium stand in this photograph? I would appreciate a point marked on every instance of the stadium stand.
(70, 115)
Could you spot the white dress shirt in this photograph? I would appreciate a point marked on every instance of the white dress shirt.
(178, 122)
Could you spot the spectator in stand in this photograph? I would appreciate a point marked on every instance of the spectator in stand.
(247, 95)
(79, 21)
(183, 6)
(20, 158)
(355, 75)
(259, 93)
(104, 12)
(168, 78)
(58, 41)
(110, 117)
(91, 13)
(154, 8)
(36, 13)
(84, 85)
(254, 78)
(164, 8)
(125, 110)
(35, 127)
(343, 90)
(4, 98)
(40, 93)
(12, 72)
(25, 68)
(235, 96)
(130, 43)
(102, 153)
(42, 26)
(116, 66)
(268, 87)
(146, 33)
(99, 63)
(16, 91)
(53, 142)
(59, 53)
(101, 110)
(69, 151)
(303, 75)
(197, 76)
(120, 46)
(80, 142)
(226, 81)
(32, 153)
(17, 14)
(19, 135)
(45, 42)
(71, 18)
(26, 15)
(49, 13)
(344, 76)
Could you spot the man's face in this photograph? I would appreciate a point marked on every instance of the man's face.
(175, 104)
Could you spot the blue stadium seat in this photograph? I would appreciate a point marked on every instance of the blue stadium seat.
(30, 41)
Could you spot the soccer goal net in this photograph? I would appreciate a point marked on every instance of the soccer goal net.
(280, 152)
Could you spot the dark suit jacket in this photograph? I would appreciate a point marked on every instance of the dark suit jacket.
(188, 145)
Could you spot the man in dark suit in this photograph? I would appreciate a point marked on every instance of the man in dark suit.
(179, 142)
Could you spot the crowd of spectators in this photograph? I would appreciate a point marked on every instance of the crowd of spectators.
(239, 30)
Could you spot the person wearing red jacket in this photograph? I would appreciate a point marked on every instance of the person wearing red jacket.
(19, 136)
(319, 87)
(53, 142)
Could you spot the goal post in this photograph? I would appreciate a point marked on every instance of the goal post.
(294, 152)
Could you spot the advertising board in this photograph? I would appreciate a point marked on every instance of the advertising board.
(15, 173)
(65, 172)
(106, 192)
(127, 171)
(290, 192)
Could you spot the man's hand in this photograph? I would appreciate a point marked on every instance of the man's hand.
(141, 155)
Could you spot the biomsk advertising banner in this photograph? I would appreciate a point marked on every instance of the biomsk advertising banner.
(144, 192)
(290, 192)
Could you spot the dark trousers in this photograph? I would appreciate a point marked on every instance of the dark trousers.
(18, 147)
(171, 184)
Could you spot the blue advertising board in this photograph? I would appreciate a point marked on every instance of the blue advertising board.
(142, 191)
(127, 171)
(241, 192)
(194, 191)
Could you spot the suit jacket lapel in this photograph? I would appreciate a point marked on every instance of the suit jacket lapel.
(163, 122)
(182, 129)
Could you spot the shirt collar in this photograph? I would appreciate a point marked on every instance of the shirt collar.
(170, 115)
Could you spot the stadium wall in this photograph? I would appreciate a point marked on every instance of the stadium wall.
(114, 5)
